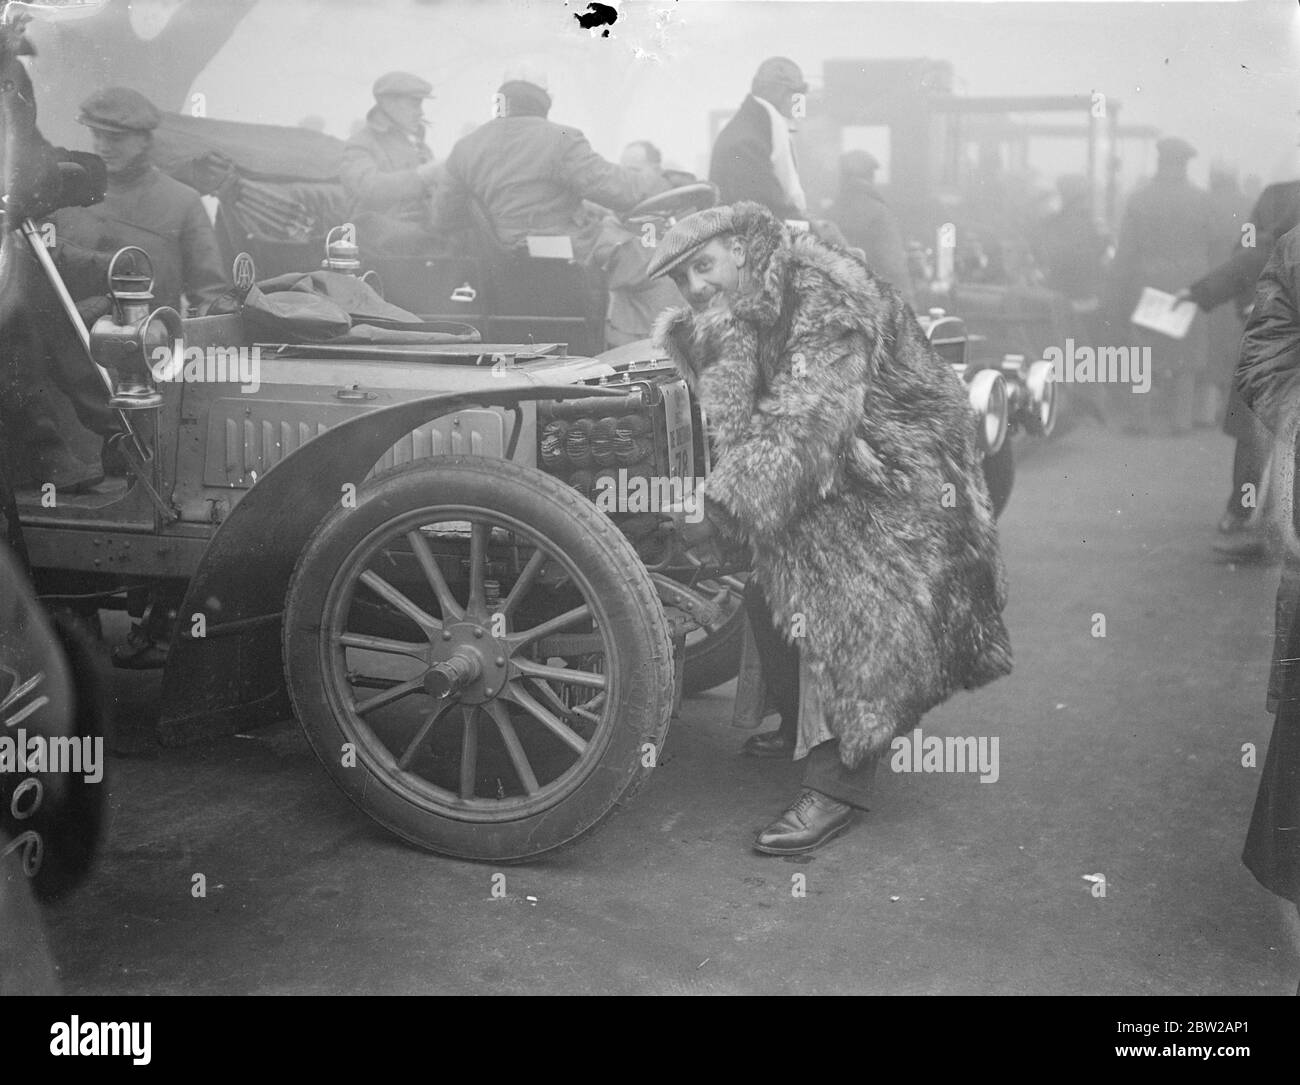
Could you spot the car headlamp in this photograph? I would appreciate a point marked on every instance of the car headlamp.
(1040, 383)
(988, 399)
(135, 340)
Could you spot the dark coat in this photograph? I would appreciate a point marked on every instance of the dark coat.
(530, 175)
(1269, 367)
(378, 170)
(837, 432)
(741, 165)
(1276, 211)
(867, 223)
(1268, 379)
(161, 216)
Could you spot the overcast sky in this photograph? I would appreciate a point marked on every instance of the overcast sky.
(1224, 75)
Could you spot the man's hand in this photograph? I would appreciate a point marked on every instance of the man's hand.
(693, 533)
(701, 538)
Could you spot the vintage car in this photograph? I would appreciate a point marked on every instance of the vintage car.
(403, 544)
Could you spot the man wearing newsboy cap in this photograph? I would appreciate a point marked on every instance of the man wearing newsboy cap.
(144, 206)
(388, 169)
(846, 466)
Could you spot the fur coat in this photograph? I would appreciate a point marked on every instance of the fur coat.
(845, 459)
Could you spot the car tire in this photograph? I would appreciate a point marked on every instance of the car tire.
(434, 794)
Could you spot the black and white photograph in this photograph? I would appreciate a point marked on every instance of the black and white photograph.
(671, 497)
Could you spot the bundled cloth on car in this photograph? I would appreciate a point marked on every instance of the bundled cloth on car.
(327, 306)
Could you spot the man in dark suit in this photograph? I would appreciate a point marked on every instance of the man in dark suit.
(753, 158)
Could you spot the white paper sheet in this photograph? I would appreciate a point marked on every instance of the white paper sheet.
(1158, 312)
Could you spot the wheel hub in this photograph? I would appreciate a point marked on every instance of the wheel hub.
(469, 664)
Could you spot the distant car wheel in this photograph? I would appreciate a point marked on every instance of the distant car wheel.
(478, 658)
(1000, 475)
(714, 658)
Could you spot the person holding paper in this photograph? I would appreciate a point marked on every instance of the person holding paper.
(1165, 241)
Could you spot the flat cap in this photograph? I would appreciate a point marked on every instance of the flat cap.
(1173, 149)
(402, 84)
(689, 234)
(527, 73)
(119, 109)
(780, 72)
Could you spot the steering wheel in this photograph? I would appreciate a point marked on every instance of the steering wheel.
(676, 202)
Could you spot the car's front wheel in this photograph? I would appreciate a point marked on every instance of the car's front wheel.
(478, 658)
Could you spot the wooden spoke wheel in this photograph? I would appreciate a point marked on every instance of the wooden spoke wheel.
(478, 658)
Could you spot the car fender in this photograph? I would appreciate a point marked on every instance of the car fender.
(225, 668)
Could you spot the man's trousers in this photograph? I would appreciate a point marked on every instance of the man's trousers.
(823, 769)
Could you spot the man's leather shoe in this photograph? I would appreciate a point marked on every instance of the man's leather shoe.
(810, 822)
(769, 744)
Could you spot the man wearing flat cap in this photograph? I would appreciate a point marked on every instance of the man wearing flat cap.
(1166, 240)
(846, 466)
(520, 173)
(388, 170)
(753, 156)
(143, 206)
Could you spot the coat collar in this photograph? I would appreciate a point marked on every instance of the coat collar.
(789, 268)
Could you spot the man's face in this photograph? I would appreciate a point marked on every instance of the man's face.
(406, 110)
(711, 278)
(119, 150)
(634, 160)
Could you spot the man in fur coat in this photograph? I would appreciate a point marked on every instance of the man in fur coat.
(846, 465)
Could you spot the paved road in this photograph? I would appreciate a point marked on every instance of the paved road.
(1118, 756)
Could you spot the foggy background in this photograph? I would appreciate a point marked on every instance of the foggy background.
(1223, 75)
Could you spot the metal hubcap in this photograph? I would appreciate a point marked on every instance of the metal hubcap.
(476, 726)
(468, 664)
